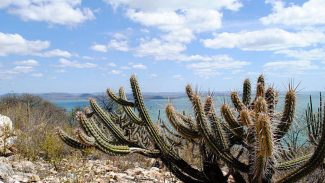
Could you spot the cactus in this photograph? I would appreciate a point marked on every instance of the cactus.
(254, 128)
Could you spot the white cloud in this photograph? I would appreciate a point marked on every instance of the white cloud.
(295, 67)
(213, 65)
(312, 54)
(159, 49)
(172, 5)
(154, 75)
(178, 21)
(21, 70)
(99, 48)
(312, 12)
(111, 64)
(139, 66)
(57, 53)
(266, 39)
(62, 12)
(74, 64)
(114, 71)
(30, 63)
(16, 44)
(118, 42)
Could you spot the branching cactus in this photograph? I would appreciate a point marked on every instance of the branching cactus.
(244, 141)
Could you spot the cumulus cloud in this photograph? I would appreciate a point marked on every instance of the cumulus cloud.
(118, 42)
(215, 65)
(62, 12)
(159, 49)
(173, 5)
(138, 66)
(75, 64)
(312, 12)
(289, 67)
(30, 62)
(179, 22)
(312, 54)
(56, 53)
(99, 48)
(15, 44)
(20, 67)
(266, 39)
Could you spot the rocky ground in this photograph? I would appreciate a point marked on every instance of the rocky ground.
(15, 169)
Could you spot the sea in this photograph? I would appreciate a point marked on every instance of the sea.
(156, 106)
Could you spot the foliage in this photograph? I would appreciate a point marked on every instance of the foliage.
(34, 120)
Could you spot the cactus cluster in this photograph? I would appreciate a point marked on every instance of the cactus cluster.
(245, 138)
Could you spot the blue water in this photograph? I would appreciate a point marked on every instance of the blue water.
(182, 104)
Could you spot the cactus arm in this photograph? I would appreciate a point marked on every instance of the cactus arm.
(291, 164)
(288, 114)
(119, 100)
(216, 125)
(270, 97)
(202, 124)
(128, 110)
(163, 147)
(239, 105)
(139, 103)
(84, 138)
(187, 120)
(71, 141)
(101, 141)
(179, 126)
(263, 148)
(231, 120)
(315, 161)
(246, 92)
(109, 123)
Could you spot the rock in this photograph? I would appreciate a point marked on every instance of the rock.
(7, 137)
(24, 166)
(34, 178)
(6, 172)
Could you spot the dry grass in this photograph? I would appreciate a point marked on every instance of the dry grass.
(35, 120)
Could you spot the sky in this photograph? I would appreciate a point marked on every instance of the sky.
(80, 46)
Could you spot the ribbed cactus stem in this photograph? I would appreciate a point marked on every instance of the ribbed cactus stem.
(287, 114)
(207, 105)
(179, 126)
(239, 105)
(260, 90)
(88, 140)
(270, 96)
(264, 135)
(245, 118)
(246, 92)
(231, 120)
(118, 100)
(209, 138)
(261, 79)
(260, 105)
(71, 141)
(189, 92)
(128, 110)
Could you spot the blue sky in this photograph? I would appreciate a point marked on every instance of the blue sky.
(87, 46)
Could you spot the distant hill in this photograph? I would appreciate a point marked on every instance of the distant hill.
(85, 96)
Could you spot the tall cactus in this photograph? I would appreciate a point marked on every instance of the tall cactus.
(253, 126)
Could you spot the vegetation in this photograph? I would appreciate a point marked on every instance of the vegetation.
(34, 122)
(247, 139)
